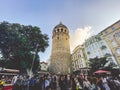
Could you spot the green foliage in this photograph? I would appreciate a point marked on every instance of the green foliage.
(17, 42)
(97, 63)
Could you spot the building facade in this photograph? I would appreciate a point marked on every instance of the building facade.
(92, 48)
(112, 36)
(60, 55)
(78, 59)
(44, 66)
(96, 46)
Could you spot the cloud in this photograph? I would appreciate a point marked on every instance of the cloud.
(79, 36)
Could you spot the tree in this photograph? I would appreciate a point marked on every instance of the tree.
(97, 63)
(20, 43)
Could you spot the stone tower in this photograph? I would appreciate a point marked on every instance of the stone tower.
(60, 55)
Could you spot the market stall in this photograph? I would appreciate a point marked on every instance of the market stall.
(6, 76)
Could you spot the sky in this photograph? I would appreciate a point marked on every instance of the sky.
(83, 18)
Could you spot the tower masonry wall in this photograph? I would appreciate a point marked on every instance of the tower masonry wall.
(60, 54)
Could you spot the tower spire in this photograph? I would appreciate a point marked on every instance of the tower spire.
(60, 22)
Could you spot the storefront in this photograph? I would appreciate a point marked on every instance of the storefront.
(6, 76)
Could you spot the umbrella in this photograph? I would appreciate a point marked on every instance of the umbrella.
(101, 71)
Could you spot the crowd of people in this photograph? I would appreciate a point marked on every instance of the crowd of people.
(102, 82)
(62, 82)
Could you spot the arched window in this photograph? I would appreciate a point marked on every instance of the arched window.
(65, 30)
(61, 29)
(57, 30)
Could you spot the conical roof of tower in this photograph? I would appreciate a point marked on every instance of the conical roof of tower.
(60, 25)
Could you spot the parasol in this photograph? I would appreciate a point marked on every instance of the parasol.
(101, 71)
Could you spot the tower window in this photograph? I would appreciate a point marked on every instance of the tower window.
(61, 29)
(65, 30)
(57, 30)
(58, 38)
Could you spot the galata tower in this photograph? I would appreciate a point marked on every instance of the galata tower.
(60, 55)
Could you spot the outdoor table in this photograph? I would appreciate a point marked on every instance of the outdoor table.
(8, 86)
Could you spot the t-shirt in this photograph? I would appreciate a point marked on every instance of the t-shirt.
(47, 83)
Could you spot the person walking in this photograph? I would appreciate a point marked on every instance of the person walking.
(105, 83)
(53, 83)
(94, 85)
(78, 85)
(62, 83)
(25, 82)
(47, 83)
(68, 82)
(86, 84)
(31, 83)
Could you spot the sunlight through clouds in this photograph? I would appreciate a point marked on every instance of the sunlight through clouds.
(79, 36)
